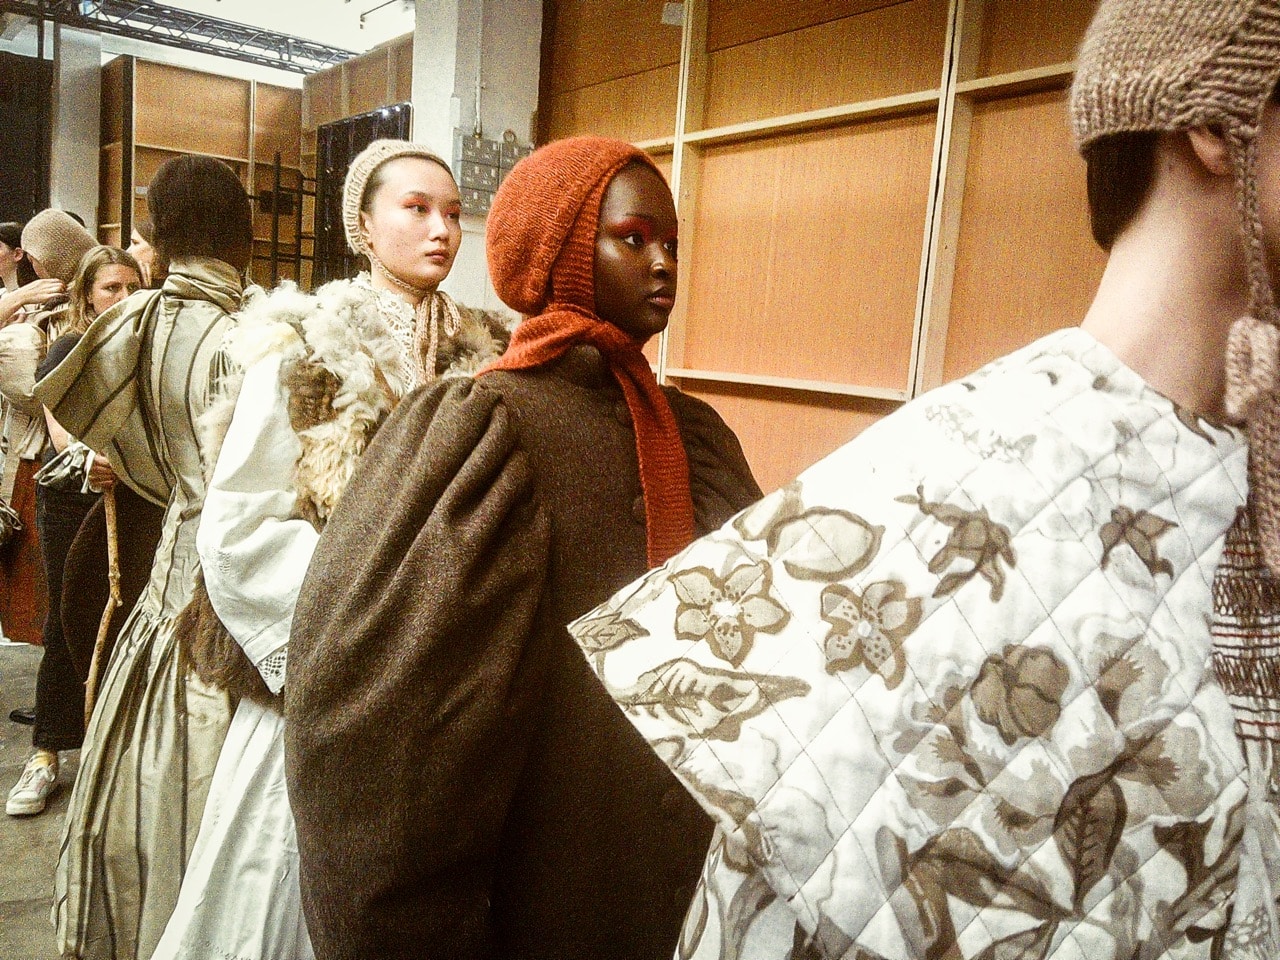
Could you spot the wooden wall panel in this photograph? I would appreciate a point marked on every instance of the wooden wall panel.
(641, 107)
(783, 433)
(110, 182)
(214, 114)
(264, 181)
(322, 98)
(402, 64)
(277, 122)
(1020, 34)
(663, 162)
(594, 41)
(733, 22)
(806, 255)
(888, 51)
(367, 82)
(1025, 262)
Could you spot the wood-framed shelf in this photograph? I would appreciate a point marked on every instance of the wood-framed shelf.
(658, 145)
(824, 387)
(179, 150)
(816, 119)
(1018, 82)
(863, 191)
(241, 122)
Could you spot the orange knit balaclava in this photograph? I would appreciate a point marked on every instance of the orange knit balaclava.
(541, 242)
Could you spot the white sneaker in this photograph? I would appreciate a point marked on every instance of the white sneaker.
(32, 790)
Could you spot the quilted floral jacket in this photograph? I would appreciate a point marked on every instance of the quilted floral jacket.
(947, 694)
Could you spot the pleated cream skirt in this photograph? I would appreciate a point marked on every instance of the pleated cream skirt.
(148, 758)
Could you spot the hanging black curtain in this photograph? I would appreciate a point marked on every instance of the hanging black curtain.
(336, 144)
(25, 104)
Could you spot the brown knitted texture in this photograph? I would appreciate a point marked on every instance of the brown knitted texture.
(1168, 66)
(540, 242)
(58, 242)
(1246, 634)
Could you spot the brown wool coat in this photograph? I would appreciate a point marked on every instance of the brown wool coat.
(463, 785)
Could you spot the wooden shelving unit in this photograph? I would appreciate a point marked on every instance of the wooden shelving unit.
(875, 195)
(242, 122)
(379, 78)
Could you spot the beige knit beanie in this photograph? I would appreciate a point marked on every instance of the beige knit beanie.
(58, 242)
(1169, 65)
(362, 167)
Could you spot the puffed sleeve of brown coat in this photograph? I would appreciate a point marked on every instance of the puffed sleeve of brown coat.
(409, 702)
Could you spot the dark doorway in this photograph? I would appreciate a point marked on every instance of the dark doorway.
(336, 144)
(25, 104)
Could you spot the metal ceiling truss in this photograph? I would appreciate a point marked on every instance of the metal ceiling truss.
(174, 27)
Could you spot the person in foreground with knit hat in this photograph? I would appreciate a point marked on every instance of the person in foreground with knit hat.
(948, 693)
(57, 242)
(54, 243)
(132, 388)
(463, 786)
(319, 373)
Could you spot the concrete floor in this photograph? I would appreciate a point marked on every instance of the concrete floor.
(28, 845)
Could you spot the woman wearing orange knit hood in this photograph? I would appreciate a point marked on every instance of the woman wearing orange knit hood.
(463, 786)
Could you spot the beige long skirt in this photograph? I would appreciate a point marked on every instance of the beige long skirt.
(148, 758)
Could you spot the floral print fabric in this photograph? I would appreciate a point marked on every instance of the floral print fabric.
(947, 694)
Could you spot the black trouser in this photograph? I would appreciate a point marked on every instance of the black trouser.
(59, 693)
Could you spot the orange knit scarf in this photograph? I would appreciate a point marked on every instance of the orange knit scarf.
(664, 468)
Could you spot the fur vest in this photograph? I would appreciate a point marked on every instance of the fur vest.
(347, 361)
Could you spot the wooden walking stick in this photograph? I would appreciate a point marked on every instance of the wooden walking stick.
(113, 601)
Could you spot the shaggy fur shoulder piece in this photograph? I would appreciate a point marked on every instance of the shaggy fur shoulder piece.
(354, 372)
(483, 335)
(266, 324)
(363, 371)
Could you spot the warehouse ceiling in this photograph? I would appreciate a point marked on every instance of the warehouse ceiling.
(289, 35)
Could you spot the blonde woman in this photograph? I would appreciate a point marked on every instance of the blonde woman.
(105, 276)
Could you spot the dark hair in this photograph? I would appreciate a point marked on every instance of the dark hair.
(1120, 170)
(11, 236)
(145, 230)
(199, 209)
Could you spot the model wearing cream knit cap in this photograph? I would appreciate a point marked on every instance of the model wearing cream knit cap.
(433, 309)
